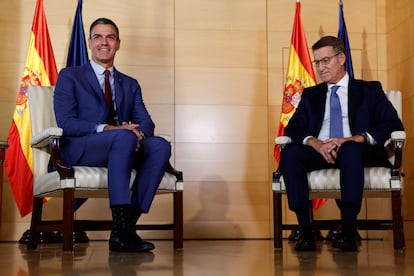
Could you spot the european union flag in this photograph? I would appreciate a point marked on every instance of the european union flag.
(78, 53)
(343, 34)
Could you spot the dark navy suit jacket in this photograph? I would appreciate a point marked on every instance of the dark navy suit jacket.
(79, 106)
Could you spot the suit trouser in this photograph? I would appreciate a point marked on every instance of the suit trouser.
(116, 150)
(297, 160)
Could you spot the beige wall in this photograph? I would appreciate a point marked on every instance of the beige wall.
(400, 58)
(212, 75)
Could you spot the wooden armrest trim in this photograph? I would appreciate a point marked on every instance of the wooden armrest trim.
(178, 174)
(64, 171)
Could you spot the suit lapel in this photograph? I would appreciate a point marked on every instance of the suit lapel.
(354, 101)
(319, 101)
(92, 80)
(119, 93)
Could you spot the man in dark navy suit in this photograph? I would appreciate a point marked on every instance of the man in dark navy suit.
(365, 121)
(116, 132)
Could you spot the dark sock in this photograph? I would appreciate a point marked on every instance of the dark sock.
(121, 218)
(305, 223)
(304, 218)
(349, 229)
(135, 215)
(350, 214)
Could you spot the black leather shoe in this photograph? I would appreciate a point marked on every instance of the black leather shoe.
(335, 233)
(346, 242)
(295, 235)
(306, 245)
(129, 241)
(306, 242)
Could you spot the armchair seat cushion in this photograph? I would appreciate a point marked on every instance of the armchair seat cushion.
(91, 178)
(326, 180)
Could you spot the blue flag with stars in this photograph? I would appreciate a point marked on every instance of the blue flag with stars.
(343, 35)
(78, 53)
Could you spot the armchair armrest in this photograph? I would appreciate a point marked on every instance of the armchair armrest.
(170, 169)
(50, 137)
(64, 171)
(396, 145)
(398, 135)
(283, 140)
(42, 139)
(178, 174)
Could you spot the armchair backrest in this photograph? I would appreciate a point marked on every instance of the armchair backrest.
(394, 96)
(42, 116)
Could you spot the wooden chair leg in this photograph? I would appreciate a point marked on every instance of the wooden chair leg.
(178, 219)
(398, 225)
(277, 220)
(67, 216)
(36, 219)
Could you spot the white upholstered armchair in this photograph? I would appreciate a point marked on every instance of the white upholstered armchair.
(78, 182)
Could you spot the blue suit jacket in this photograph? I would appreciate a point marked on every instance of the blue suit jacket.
(79, 106)
(369, 110)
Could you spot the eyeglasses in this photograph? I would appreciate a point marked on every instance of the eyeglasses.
(324, 61)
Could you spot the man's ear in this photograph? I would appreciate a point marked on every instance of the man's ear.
(342, 58)
(118, 45)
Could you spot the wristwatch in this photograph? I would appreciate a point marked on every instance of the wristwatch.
(365, 136)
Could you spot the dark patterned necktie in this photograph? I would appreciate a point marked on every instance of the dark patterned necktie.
(336, 130)
(108, 100)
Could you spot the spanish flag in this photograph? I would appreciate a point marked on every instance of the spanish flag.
(40, 69)
(299, 75)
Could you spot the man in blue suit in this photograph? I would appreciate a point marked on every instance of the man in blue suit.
(366, 120)
(118, 135)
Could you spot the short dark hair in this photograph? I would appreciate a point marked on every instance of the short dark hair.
(103, 20)
(336, 43)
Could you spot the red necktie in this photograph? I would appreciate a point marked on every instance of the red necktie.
(108, 100)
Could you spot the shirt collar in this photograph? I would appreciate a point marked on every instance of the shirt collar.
(342, 83)
(99, 70)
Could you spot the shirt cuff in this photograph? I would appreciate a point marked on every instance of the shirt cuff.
(99, 128)
(371, 139)
(305, 141)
